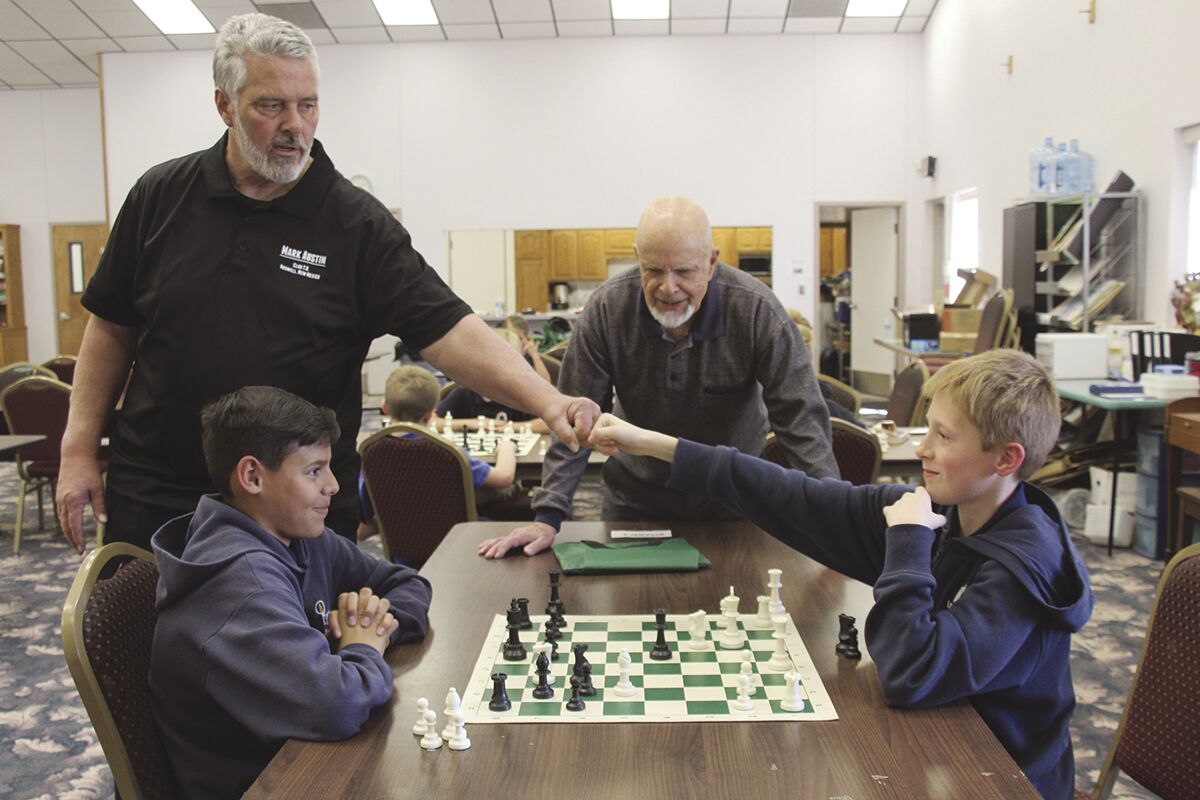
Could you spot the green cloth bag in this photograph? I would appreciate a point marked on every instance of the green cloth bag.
(644, 555)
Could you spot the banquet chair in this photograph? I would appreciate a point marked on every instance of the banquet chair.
(15, 372)
(1158, 740)
(845, 396)
(107, 632)
(907, 405)
(63, 368)
(857, 452)
(997, 327)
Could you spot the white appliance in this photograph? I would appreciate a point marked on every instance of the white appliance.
(1073, 356)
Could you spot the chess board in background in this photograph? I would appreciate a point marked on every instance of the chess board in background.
(484, 444)
(693, 686)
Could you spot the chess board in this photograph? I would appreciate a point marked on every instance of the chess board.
(693, 686)
(484, 444)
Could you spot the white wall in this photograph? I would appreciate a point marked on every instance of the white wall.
(582, 133)
(1121, 86)
(50, 172)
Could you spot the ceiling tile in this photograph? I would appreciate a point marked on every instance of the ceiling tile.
(581, 10)
(18, 25)
(641, 27)
(360, 35)
(580, 28)
(870, 25)
(528, 30)
(91, 7)
(60, 17)
(919, 8)
(775, 9)
(194, 41)
(699, 9)
(817, 8)
(523, 10)
(416, 33)
(687, 27)
(472, 32)
(755, 25)
(812, 25)
(56, 61)
(124, 23)
(321, 35)
(218, 11)
(302, 15)
(912, 24)
(349, 13)
(144, 44)
(19, 73)
(86, 49)
(464, 12)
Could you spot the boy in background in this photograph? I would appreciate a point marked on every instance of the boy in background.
(270, 626)
(977, 585)
(466, 405)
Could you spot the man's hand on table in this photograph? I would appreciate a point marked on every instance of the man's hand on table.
(534, 538)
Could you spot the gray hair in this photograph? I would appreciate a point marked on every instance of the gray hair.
(262, 35)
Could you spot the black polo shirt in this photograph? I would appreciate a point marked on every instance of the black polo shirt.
(226, 291)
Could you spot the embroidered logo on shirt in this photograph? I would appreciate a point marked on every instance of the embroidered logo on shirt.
(301, 262)
(323, 613)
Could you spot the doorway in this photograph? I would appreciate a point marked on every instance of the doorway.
(857, 303)
(77, 250)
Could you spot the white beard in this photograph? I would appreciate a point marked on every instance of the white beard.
(672, 321)
(260, 161)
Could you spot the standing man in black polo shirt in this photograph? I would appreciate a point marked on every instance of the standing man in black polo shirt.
(256, 262)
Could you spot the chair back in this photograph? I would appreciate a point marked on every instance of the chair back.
(857, 451)
(1158, 741)
(553, 367)
(13, 373)
(845, 396)
(994, 322)
(107, 633)
(420, 487)
(37, 405)
(907, 406)
(446, 389)
(775, 452)
(63, 368)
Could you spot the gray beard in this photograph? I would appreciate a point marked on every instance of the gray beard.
(672, 321)
(261, 162)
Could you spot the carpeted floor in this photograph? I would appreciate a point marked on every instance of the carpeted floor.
(48, 749)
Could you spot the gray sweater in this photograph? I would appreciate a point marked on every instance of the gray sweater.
(742, 371)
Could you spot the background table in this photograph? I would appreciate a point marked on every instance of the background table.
(871, 751)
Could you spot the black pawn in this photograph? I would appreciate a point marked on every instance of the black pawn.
(576, 702)
(543, 690)
(499, 701)
(552, 633)
(513, 649)
(555, 610)
(661, 651)
(585, 683)
(466, 444)
(523, 606)
(554, 650)
(846, 632)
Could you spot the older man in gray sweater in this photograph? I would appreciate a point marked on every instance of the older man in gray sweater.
(693, 348)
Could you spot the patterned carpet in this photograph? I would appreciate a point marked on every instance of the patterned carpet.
(48, 748)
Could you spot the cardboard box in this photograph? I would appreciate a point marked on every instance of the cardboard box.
(1096, 529)
(957, 342)
(1127, 487)
(961, 320)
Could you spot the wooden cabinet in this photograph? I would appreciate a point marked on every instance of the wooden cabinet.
(754, 240)
(14, 344)
(591, 263)
(619, 242)
(531, 244)
(532, 251)
(835, 250)
(725, 240)
(564, 257)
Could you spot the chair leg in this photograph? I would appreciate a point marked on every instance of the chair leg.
(41, 506)
(20, 516)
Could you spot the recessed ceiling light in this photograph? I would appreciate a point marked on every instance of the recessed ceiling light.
(406, 12)
(641, 9)
(175, 16)
(875, 8)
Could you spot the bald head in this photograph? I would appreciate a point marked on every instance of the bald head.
(677, 260)
(674, 223)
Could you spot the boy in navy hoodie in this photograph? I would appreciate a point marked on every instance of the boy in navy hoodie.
(270, 626)
(977, 585)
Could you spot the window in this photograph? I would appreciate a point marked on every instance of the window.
(964, 239)
(1193, 217)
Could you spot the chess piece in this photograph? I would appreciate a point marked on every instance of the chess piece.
(697, 630)
(660, 652)
(847, 636)
(743, 702)
(748, 669)
(780, 660)
(523, 607)
(579, 649)
(459, 740)
(556, 613)
(448, 428)
(453, 703)
(731, 636)
(762, 620)
(543, 690)
(576, 702)
(625, 687)
(513, 649)
(794, 699)
(774, 582)
(431, 740)
(418, 727)
(585, 682)
(552, 633)
(499, 701)
(555, 577)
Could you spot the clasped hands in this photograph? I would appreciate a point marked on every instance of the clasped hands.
(362, 618)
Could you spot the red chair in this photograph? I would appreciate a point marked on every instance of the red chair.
(906, 406)
(63, 368)
(856, 450)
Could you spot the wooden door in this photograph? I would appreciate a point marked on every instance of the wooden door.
(77, 250)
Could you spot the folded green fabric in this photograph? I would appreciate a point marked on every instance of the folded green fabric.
(654, 555)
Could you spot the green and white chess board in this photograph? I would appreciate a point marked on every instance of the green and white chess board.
(484, 444)
(693, 686)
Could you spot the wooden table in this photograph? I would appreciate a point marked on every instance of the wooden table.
(900, 460)
(1182, 434)
(871, 751)
(10, 441)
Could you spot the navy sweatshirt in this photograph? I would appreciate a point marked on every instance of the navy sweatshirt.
(241, 661)
(987, 618)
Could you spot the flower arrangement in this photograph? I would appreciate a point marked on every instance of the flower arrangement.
(1185, 298)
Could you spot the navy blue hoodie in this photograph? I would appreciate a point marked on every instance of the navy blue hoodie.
(987, 618)
(240, 660)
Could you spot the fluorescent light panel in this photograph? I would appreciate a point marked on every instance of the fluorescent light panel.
(641, 9)
(875, 8)
(175, 16)
(406, 12)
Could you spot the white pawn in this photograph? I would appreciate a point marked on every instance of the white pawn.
(748, 669)
(431, 740)
(491, 426)
(794, 700)
(419, 725)
(459, 740)
(448, 428)
(453, 703)
(508, 429)
(625, 687)
(699, 627)
(743, 702)
(542, 448)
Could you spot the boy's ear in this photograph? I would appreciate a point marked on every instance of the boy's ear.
(248, 476)
(425, 420)
(383, 408)
(1012, 456)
